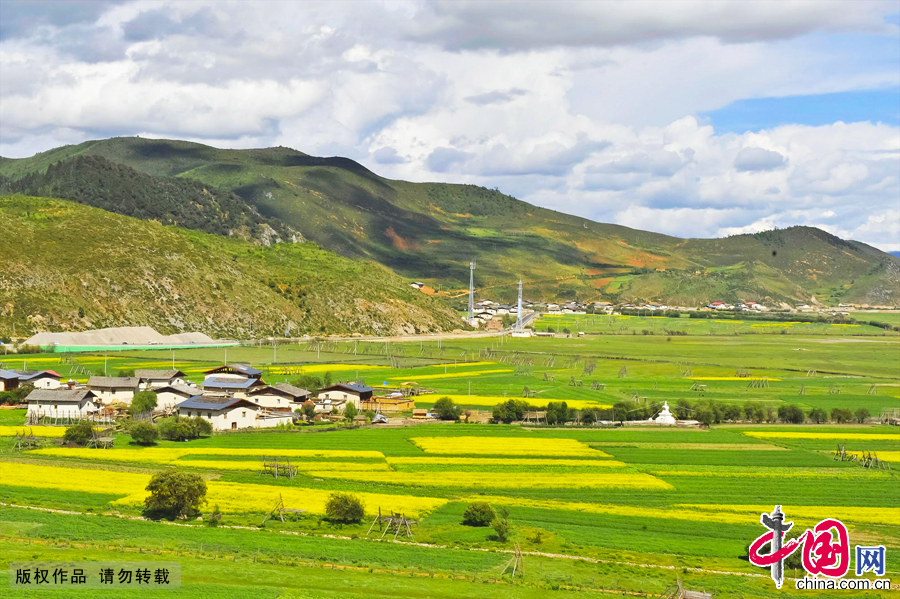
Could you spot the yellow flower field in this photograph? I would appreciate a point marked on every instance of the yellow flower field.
(256, 465)
(887, 456)
(730, 378)
(230, 497)
(843, 435)
(524, 462)
(462, 364)
(493, 400)
(505, 446)
(37, 431)
(316, 368)
(866, 515)
(448, 375)
(505, 480)
(168, 455)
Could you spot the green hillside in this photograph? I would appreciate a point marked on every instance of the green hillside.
(430, 231)
(65, 266)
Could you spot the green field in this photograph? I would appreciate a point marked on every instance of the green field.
(596, 511)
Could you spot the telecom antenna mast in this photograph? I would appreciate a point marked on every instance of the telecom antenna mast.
(519, 311)
(471, 291)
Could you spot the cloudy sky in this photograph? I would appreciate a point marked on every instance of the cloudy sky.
(694, 118)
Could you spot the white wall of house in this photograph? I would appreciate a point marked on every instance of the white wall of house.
(228, 419)
(158, 384)
(60, 408)
(114, 395)
(271, 400)
(45, 383)
(169, 399)
(341, 394)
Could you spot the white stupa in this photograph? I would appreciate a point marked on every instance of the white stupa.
(665, 416)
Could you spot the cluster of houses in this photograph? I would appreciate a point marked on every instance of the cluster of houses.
(233, 396)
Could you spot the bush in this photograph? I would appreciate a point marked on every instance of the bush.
(350, 411)
(16, 395)
(143, 432)
(174, 494)
(479, 513)
(309, 410)
(344, 508)
(861, 415)
(841, 415)
(501, 526)
(214, 518)
(818, 415)
(446, 409)
(791, 414)
(143, 401)
(79, 433)
(179, 428)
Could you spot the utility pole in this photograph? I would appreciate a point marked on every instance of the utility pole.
(519, 310)
(471, 291)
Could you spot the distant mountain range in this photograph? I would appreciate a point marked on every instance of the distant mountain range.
(431, 231)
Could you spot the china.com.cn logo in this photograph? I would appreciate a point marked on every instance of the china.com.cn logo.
(826, 549)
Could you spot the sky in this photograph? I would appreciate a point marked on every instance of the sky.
(695, 118)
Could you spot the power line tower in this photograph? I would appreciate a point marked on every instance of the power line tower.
(519, 310)
(471, 291)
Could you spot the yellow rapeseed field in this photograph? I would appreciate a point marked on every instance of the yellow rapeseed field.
(37, 431)
(316, 368)
(448, 375)
(256, 465)
(867, 515)
(841, 435)
(72, 479)
(493, 400)
(524, 462)
(505, 446)
(244, 498)
(729, 378)
(163, 455)
(887, 456)
(505, 480)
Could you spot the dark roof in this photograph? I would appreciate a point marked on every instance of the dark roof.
(183, 389)
(212, 402)
(354, 387)
(238, 368)
(30, 375)
(295, 391)
(114, 381)
(60, 395)
(162, 375)
(8, 375)
(220, 383)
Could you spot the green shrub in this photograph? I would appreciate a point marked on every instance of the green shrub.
(179, 428)
(478, 513)
(143, 401)
(861, 415)
(309, 410)
(792, 414)
(501, 525)
(174, 494)
(446, 409)
(79, 433)
(143, 432)
(350, 411)
(841, 415)
(344, 508)
(818, 415)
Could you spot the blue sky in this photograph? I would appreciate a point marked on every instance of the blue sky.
(696, 118)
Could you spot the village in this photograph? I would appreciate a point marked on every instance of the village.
(230, 397)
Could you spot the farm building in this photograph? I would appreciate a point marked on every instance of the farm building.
(281, 396)
(112, 389)
(236, 379)
(329, 406)
(9, 380)
(66, 403)
(352, 392)
(39, 379)
(171, 395)
(153, 379)
(231, 413)
(391, 403)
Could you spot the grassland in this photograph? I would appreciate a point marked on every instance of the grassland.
(596, 510)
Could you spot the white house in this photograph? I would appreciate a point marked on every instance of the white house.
(41, 379)
(235, 379)
(72, 403)
(153, 379)
(171, 395)
(354, 393)
(9, 380)
(281, 396)
(114, 389)
(231, 413)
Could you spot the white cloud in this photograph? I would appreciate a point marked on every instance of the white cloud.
(585, 107)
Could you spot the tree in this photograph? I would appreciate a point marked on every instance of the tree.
(350, 411)
(508, 411)
(731, 413)
(79, 433)
(841, 415)
(143, 401)
(309, 410)
(174, 494)
(557, 412)
(179, 428)
(861, 415)
(446, 409)
(143, 432)
(500, 524)
(327, 379)
(818, 415)
(200, 427)
(621, 410)
(704, 416)
(344, 508)
(791, 414)
(478, 513)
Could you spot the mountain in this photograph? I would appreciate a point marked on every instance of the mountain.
(65, 266)
(430, 231)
